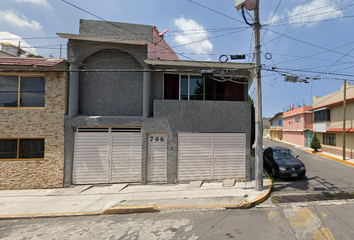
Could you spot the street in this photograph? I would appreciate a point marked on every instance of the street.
(322, 174)
(325, 220)
(282, 222)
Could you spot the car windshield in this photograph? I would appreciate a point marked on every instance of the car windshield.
(283, 154)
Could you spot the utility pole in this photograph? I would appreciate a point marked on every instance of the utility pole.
(254, 5)
(258, 101)
(344, 115)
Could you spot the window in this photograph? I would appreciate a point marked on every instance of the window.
(197, 87)
(279, 122)
(22, 91)
(21, 149)
(271, 123)
(297, 118)
(323, 115)
(329, 139)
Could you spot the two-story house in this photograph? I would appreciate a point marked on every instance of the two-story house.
(297, 125)
(138, 114)
(276, 126)
(328, 121)
(32, 110)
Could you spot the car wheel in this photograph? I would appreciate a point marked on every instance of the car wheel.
(273, 172)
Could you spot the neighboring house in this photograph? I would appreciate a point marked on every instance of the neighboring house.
(328, 121)
(296, 126)
(9, 50)
(266, 125)
(276, 126)
(138, 114)
(32, 110)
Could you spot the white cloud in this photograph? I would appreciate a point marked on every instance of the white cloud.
(198, 43)
(6, 37)
(19, 20)
(38, 2)
(314, 11)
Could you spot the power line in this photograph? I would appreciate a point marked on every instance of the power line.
(311, 44)
(315, 9)
(215, 11)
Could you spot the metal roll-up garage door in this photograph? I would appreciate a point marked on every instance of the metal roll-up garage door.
(194, 156)
(107, 155)
(211, 156)
(90, 157)
(229, 155)
(126, 157)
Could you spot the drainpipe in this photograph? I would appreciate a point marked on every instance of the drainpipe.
(73, 102)
(146, 93)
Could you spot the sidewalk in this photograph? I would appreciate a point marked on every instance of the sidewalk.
(331, 156)
(124, 198)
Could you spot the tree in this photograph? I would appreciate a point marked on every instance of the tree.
(315, 143)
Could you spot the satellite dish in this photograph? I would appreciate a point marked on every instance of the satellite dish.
(248, 4)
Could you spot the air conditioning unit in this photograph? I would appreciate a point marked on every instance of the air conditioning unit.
(248, 4)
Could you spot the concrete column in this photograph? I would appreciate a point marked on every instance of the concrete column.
(73, 91)
(146, 93)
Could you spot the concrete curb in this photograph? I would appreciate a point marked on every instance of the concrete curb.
(329, 157)
(50, 215)
(257, 200)
(133, 209)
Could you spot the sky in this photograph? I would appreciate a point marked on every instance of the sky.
(311, 39)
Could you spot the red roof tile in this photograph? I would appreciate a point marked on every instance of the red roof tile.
(20, 61)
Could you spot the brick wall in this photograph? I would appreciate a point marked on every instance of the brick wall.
(45, 123)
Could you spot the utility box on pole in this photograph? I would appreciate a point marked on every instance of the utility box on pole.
(248, 4)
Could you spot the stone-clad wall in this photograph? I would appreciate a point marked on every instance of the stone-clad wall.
(45, 123)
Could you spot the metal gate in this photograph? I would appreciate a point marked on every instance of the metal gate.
(211, 156)
(157, 160)
(107, 155)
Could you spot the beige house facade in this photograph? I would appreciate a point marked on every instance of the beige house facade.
(32, 109)
(328, 121)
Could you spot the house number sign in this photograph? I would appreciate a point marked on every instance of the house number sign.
(157, 139)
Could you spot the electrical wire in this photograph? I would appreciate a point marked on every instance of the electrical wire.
(222, 14)
(311, 44)
(315, 9)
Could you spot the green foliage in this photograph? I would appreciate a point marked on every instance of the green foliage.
(315, 143)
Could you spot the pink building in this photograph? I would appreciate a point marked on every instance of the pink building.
(296, 126)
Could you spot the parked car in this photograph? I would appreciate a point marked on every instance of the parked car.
(282, 162)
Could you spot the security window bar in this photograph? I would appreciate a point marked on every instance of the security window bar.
(297, 118)
(21, 149)
(22, 92)
(322, 116)
(329, 139)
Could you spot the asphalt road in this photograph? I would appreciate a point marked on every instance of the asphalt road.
(283, 222)
(322, 174)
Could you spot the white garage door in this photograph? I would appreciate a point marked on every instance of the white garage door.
(90, 158)
(107, 155)
(211, 156)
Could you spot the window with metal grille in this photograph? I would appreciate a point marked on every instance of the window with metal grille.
(21, 149)
(297, 118)
(22, 91)
(329, 139)
(323, 115)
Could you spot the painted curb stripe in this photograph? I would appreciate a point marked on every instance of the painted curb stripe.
(332, 158)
